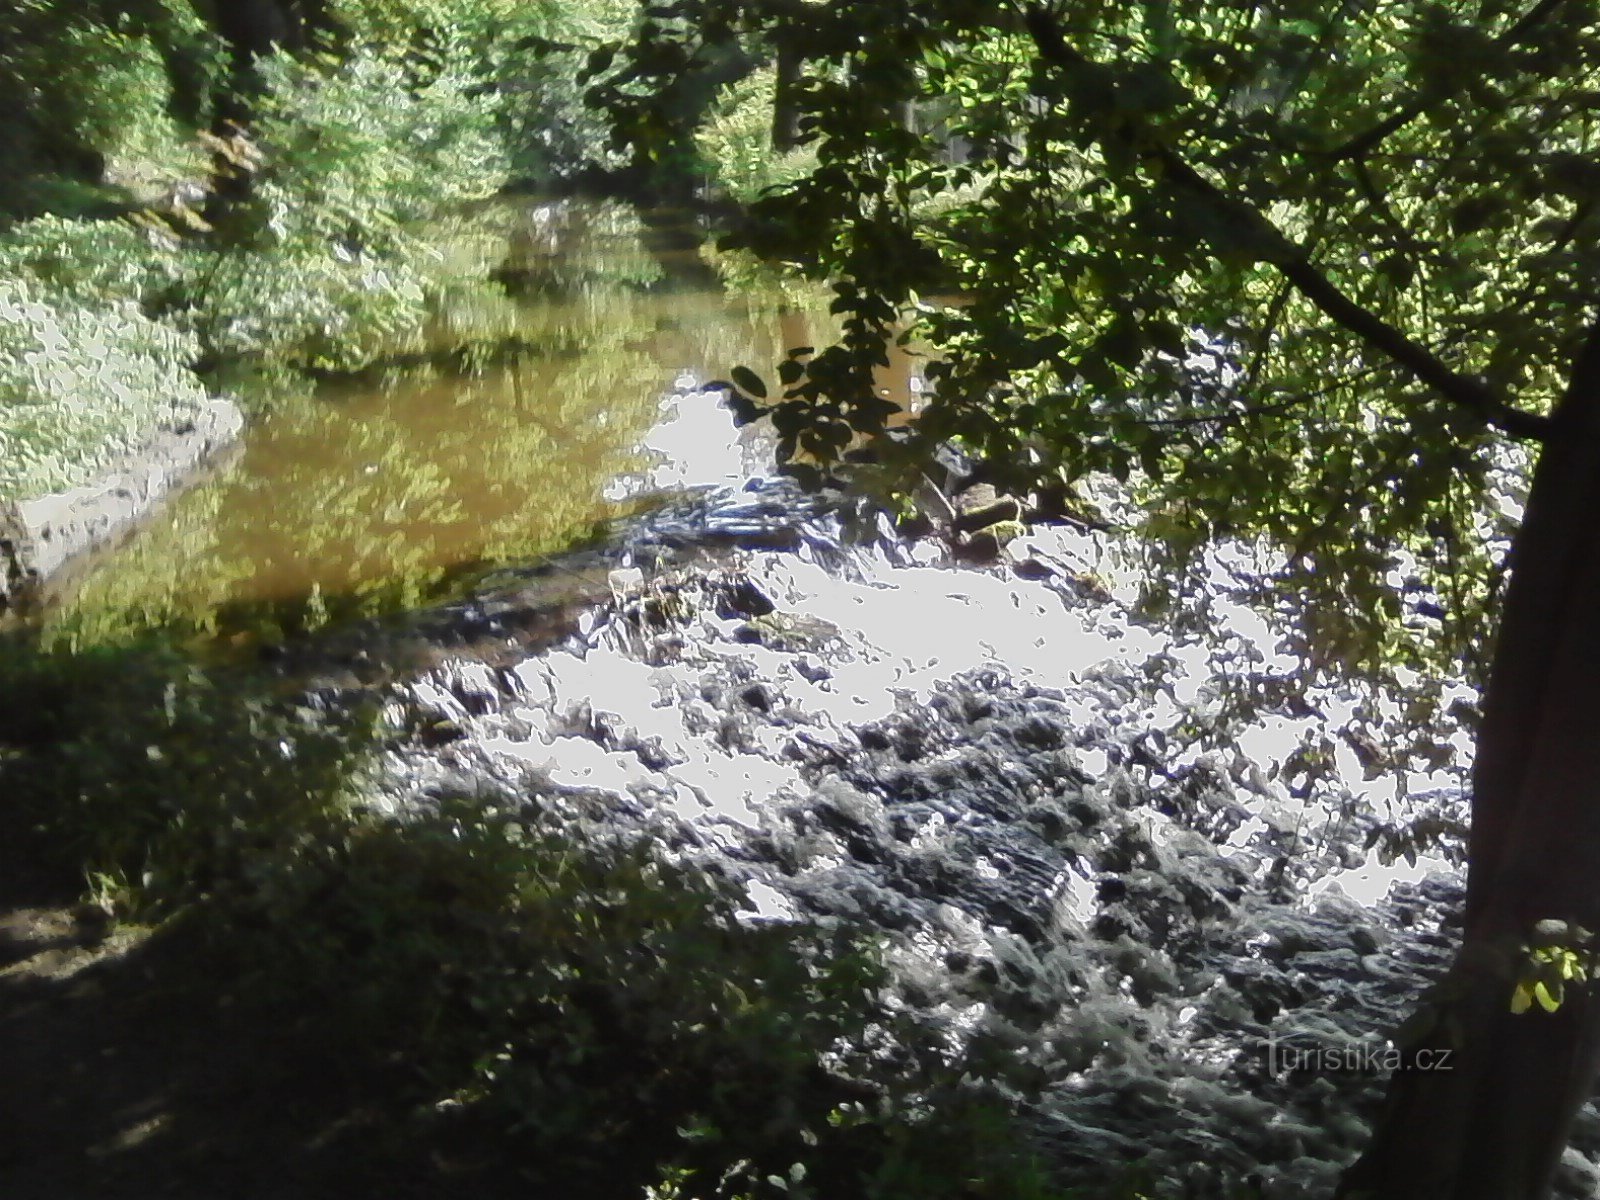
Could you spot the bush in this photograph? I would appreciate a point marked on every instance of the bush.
(80, 385)
(601, 1016)
(736, 140)
(527, 57)
(122, 106)
(102, 82)
(93, 264)
(304, 305)
(320, 266)
(586, 1010)
(133, 766)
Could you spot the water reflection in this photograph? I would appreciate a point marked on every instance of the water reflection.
(368, 497)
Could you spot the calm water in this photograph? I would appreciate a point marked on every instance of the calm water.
(367, 497)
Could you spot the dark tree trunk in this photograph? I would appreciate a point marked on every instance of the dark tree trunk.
(254, 29)
(786, 105)
(1493, 1124)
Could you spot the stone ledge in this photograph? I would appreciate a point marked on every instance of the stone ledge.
(39, 537)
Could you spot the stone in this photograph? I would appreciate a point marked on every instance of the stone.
(42, 536)
(1006, 508)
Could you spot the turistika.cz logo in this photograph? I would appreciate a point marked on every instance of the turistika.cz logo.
(1304, 1057)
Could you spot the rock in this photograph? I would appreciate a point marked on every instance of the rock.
(973, 496)
(758, 696)
(744, 599)
(41, 537)
(791, 633)
(1033, 569)
(19, 579)
(970, 520)
(987, 545)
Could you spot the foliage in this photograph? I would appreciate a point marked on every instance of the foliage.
(524, 55)
(1258, 270)
(108, 83)
(601, 1015)
(85, 370)
(588, 999)
(130, 764)
(736, 140)
(1558, 953)
(321, 266)
(124, 115)
(534, 59)
(80, 385)
(591, 1010)
(92, 264)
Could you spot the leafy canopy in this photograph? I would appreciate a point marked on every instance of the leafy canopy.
(1293, 273)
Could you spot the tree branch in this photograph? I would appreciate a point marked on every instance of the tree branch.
(1267, 244)
(1404, 241)
(1365, 142)
(1230, 415)
(1227, 416)
(1368, 140)
(1258, 362)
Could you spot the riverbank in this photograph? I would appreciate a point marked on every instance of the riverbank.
(45, 539)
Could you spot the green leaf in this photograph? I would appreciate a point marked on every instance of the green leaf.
(1548, 995)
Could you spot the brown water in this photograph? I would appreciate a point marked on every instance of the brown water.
(372, 496)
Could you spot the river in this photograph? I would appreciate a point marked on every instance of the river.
(1089, 841)
(385, 492)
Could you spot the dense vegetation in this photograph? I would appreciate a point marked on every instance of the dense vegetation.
(164, 237)
(583, 1015)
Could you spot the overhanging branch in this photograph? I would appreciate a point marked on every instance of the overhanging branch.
(1368, 140)
(1269, 245)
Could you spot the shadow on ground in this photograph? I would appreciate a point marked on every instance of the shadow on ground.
(124, 1079)
(132, 1064)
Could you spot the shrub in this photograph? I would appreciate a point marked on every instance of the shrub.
(320, 265)
(306, 305)
(585, 1009)
(92, 264)
(79, 385)
(131, 764)
(600, 1015)
(123, 96)
(102, 81)
(736, 140)
(528, 56)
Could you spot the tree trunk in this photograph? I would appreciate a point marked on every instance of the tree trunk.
(254, 29)
(1492, 1124)
(785, 105)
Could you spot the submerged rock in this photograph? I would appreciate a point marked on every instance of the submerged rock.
(791, 633)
